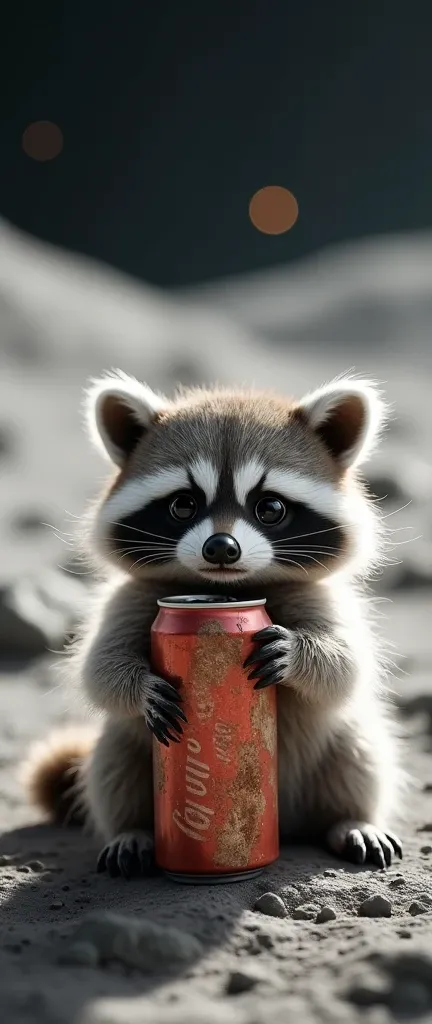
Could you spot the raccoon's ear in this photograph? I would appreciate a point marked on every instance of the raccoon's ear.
(118, 410)
(348, 416)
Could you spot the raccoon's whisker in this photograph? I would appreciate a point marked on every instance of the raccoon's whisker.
(409, 540)
(157, 552)
(314, 533)
(290, 561)
(144, 543)
(146, 533)
(305, 554)
(146, 561)
(60, 534)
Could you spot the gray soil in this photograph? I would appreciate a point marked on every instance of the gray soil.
(342, 943)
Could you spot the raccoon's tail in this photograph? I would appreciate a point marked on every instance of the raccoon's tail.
(54, 774)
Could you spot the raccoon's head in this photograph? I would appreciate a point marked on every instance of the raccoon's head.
(231, 486)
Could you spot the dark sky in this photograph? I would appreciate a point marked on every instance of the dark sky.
(174, 114)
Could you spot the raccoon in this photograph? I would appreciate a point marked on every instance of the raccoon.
(251, 494)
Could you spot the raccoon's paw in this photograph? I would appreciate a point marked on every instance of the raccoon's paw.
(129, 854)
(273, 658)
(162, 710)
(358, 842)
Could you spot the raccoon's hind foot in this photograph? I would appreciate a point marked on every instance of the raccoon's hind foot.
(359, 842)
(129, 854)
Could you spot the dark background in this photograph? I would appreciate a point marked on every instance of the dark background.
(173, 115)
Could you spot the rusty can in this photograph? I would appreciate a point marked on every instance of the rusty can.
(215, 792)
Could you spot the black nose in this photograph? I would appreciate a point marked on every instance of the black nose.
(221, 549)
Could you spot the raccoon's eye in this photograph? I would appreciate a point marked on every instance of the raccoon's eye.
(183, 507)
(270, 511)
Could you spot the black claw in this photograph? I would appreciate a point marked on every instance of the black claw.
(268, 633)
(101, 862)
(169, 691)
(264, 659)
(271, 673)
(112, 863)
(266, 665)
(268, 681)
(396, 844)
(171, 720)
(126, 863)
(355, 849)
(377, 857)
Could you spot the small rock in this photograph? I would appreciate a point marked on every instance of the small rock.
(307, 912)
(264, 940)
(404, 933)
(330, 873)
(65, 888)
(417, 908)
(325, 914)
(271, 905)
(427, 788)
(397, 882)
(36, 865)
(56, 905)
(240, 981)
(426, 849)
(24, 869)
(425, 828)
(375, 906)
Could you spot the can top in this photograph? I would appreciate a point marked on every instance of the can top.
(204, 600)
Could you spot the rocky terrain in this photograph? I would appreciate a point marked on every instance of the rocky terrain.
(341, 943)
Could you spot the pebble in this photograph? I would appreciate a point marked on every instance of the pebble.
(240, 981)
(271, 905)
(36, 865)
(24, 869)
(307, 912)
(397, 882)
(56, 905)
(417, 908)
(426, 849)
(325, 914)
(330, 873)
(375, 906)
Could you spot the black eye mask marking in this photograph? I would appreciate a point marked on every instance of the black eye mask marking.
(152, 531)
(302, 533)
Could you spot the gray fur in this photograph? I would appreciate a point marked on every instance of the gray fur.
(338, 760)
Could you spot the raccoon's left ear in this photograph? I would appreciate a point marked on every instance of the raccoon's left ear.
(118, 410)
(348, 416)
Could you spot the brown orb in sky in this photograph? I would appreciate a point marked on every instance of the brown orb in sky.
(42, 140)
(273, 210)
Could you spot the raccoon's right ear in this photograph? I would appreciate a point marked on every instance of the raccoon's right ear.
(118, 410)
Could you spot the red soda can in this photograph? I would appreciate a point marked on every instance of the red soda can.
(215, 792)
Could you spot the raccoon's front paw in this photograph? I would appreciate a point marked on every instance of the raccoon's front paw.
(273, 657)
(162, 710)
(129, 854)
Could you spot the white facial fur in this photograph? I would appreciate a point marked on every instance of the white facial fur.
(256, 551)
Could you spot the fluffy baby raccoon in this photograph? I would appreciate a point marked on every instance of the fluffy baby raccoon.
(249, 494)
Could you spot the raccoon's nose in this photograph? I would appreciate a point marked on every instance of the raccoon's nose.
(221, 549)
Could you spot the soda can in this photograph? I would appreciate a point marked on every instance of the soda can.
(215, 792)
